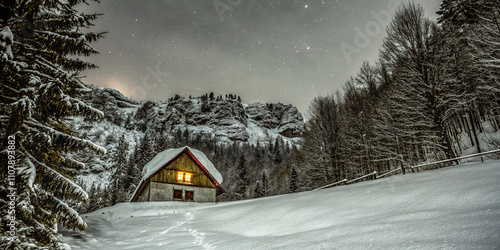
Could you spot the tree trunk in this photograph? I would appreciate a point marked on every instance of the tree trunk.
(475, 136)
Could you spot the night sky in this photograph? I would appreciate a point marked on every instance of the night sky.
(264, 51)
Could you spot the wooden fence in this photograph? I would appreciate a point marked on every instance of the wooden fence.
(455, 159)
(376, 175)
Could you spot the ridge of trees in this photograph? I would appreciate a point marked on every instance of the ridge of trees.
(209, 97)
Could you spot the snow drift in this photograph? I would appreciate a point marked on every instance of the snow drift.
(450, 208)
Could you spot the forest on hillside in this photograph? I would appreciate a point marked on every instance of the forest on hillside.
(434, 89)
(435, 86)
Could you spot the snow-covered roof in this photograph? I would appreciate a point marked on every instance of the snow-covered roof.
(166, 156)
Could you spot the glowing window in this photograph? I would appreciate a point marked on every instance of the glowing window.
(180, 176)
(184, 177)
(187, 177)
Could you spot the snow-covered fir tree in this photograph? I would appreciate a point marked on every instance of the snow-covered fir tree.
(40, 42)
(119, 179)
(242, 176)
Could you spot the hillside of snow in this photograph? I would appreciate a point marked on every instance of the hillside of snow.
(450, 208)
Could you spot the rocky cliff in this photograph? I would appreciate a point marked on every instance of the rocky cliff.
(231, 119)
(226, 119)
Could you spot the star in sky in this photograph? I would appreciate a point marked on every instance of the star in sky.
(257, 51)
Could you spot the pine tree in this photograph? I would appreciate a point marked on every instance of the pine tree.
(264, 184)
(93, 203)
(278, 150)
(258, 191)
(105, 196)
(294, 179)
(119, 179)
(257, 154)
(242, 181)
(147, 117)
(143, 153)
(128, 122)
(40, 87)
(162, 142)
(146, 148)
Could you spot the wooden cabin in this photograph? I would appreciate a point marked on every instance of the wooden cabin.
(181, 174)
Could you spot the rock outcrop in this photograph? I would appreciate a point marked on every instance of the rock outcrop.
(229, 118)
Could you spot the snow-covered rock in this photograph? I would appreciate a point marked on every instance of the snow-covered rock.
(226, 119)
(232, 120)
(286, 119)
(6, 40)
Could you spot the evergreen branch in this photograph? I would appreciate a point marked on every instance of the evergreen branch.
(58, 184)
(72, 46)
(59, 73)
(71, 143)
(70, 218)
(9, 88)
(29, 171)
(86, 109)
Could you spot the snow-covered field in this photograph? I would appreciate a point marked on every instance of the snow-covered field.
(450, 208)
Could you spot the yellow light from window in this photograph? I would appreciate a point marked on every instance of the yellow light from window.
(187, 177)
(180, 176)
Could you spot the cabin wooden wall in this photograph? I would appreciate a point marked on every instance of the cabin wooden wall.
(184, 164)
(144, 196)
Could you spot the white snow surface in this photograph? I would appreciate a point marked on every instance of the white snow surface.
(450, 208)
(6, 40)
(164, 157)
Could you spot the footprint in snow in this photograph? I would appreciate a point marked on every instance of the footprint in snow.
(199, 239)
(189, 217)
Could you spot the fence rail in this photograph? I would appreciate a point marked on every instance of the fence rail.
(362, 177)
(346, 182)
(388, 173)
(456, 159)
(331, 185)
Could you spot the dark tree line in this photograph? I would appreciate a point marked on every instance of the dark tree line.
(433, 84)
(248, 170)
